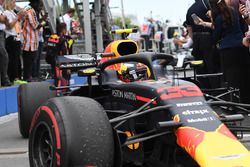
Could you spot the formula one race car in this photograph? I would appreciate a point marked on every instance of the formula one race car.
(151, 121)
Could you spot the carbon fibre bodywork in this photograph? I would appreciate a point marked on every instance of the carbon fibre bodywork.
(200, 132)
(156, 121)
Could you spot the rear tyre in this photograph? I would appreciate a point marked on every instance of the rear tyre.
(71, 131)
(30, 97)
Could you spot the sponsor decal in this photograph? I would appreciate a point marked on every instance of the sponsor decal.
(171, 92)
(206, 119)
(197, 115)
(130, 96)
(80, 57)
(124, 95)
(198, 103)
(195, 112)
(117, 93)
(72, 65)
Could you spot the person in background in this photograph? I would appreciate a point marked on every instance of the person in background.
(3, 53)
(186, 41)
(243, 18)
(67, 19)
(235, 57)
(235, 4)
(116, 36)
(13, 40)
(57, 46)
(136, 37)
(176, 37)
(36, 63)
(240, 7)
(203, 48)
(30, 37)
(147, 31)
(245, 15)
(62, 76)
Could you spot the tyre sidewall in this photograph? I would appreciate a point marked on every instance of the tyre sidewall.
(49, 116)
(86, 135)
(30, 97)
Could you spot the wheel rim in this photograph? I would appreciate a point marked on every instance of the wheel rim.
(43, 146)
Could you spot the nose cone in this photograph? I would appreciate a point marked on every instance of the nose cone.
(210, 149)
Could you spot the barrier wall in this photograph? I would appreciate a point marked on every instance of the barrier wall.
(8, 96)
(8, 100)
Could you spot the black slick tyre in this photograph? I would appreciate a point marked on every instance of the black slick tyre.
(71, 132)
(30, 96)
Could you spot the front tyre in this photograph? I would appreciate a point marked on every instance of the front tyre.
(70, 132)
(30, 97)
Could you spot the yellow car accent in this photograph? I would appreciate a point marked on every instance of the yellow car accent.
(70, 42)
(88, 71)
(197, 62)
(127, 31)
(219, 150)
(177, 118)
(134, 146)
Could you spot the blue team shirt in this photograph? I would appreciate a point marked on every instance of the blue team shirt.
(227, 36)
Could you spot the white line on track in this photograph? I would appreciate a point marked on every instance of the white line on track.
(8, 156)
(13, 152)
(8, 118)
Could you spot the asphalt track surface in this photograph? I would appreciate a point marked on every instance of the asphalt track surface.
(14, 149)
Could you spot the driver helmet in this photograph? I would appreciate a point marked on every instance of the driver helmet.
(126, 72)
(133, 72)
